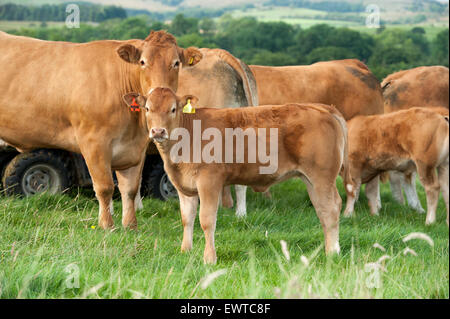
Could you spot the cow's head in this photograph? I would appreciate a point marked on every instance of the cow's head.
(159, 59)
(162, 110)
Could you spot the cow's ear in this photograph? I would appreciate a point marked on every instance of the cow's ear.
(129, 53)
(135, 100)
(190, 56)
(182, 102)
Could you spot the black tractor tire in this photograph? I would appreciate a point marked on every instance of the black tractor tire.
(36, 172)
(156, 183)
(5, 158)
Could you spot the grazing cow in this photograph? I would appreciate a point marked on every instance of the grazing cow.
(405, 141)
(425, 86)
(70, 97)
(228, 82)
(310, 143)
(347, 84)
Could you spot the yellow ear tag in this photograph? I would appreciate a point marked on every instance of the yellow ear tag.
(188, 107)
(191, 60)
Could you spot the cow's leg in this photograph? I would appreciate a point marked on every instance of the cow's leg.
(241, 203)
(412, 198)
(429, 180)
(227, 199)
(138, 205)
(373, 194)
(209, 193)
(327, 203)
(396, 181)
(99, 166)
(352, 197)
(188, 208)
(129, 182)
(443, 182)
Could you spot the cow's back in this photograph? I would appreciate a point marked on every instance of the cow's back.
(347, 84)
(422, 86)
(48, 88)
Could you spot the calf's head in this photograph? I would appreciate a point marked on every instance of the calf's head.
(159, 58)
(163, 110)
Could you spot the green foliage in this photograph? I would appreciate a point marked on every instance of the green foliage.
(273, 43)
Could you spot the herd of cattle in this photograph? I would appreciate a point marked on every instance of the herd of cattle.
(332, 118)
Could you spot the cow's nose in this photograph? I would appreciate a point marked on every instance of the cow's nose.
(157, 132)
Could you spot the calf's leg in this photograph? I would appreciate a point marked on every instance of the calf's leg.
(327, 203)
(241, 196)
(209, 193)
(412, 198)
(396, 181)
(373, 195)
(227, 199)
(429, 180)
(188, 208)
(352, 197)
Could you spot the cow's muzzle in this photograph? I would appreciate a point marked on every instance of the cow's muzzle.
(159, 134)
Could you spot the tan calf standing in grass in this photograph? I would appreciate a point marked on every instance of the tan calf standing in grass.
(310, 143)
(405, 141)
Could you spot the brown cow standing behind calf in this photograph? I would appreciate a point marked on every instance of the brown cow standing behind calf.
(405, 141)
(311, 140)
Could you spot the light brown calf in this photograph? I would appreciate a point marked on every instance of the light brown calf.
(425, 86)
(311, 144)
(405, 141)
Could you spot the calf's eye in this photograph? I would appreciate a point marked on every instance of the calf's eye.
(142, 62)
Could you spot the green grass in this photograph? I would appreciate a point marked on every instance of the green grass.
(42, 235)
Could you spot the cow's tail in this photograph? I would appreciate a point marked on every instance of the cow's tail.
(244, 72)
(348, 181)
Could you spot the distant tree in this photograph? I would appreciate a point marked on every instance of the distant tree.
(440, 48)
(265, 57)
(181, 25)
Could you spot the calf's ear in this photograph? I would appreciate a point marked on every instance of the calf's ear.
(187, 98)
(134, 100)
(190, 56)
(129, 53)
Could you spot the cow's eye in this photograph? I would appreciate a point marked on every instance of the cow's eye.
(142, 62)
(173, 110)
(176, 64)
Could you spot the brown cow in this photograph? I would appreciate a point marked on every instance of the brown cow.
(425, 86)
(347, 84)
(69, 96)
(225, 82)
(422, 86)
(310, 143)
(405, 141)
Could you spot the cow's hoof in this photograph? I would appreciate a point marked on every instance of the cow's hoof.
(419, 210)
(210, 259)
(106, 224)
(186, 247)
(241, 213)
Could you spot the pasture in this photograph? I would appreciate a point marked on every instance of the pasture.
(43, 237)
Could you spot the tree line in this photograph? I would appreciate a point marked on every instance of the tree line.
(274, 43)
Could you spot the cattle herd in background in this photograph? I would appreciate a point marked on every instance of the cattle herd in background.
(332, 118)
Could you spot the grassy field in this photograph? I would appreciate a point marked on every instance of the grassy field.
(47, 240)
